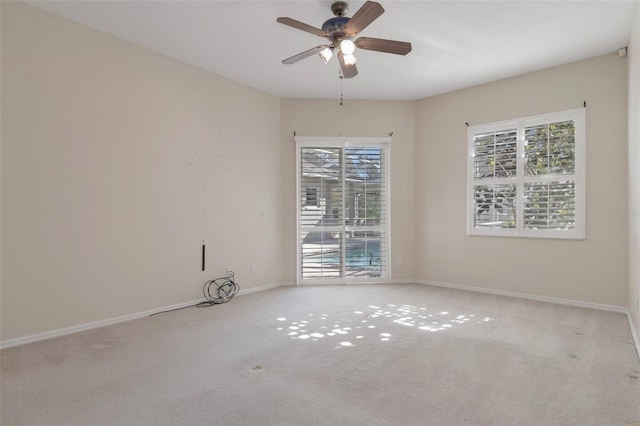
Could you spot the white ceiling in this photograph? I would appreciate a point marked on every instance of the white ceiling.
(456, 44)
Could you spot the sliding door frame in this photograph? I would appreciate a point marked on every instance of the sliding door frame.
(344, 143)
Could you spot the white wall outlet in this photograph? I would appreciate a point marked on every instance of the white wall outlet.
(252, 268)
(398, 261)
(229, 271)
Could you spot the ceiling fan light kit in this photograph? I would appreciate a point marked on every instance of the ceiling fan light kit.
(340, 31)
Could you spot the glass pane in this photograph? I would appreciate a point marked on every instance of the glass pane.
(495, 206)
(320, 194)
(321, 254)
(495, 154)
(365, 254)
(550, 205)
(365, 186)
(550, 148)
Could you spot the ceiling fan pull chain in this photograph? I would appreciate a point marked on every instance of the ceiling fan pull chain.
(341, 79)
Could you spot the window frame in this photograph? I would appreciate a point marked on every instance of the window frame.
(579, 232)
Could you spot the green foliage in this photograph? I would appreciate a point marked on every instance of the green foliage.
(550, 149)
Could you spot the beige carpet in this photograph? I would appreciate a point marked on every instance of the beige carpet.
(337, 355)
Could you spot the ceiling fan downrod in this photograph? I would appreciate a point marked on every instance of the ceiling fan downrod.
(340, 8)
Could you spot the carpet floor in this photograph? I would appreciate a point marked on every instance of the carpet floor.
(335, 355)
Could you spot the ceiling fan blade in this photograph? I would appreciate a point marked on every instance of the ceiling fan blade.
(301, 26)
(382, 45)
(305, 54)
(363, 17)
(348, 71)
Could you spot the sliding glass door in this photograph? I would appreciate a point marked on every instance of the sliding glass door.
(343, 214)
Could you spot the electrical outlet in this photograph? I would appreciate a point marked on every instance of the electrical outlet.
(252, 268)
(398, 261)
(229, 271)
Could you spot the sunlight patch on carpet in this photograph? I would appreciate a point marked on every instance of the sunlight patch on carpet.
(373, 322)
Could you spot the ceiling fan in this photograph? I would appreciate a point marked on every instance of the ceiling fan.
(340, 32)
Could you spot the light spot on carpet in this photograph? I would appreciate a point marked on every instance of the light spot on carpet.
(392, 314)
(99, 346)
(346, 344)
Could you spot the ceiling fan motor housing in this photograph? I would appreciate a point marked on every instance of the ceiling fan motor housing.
(334, 27)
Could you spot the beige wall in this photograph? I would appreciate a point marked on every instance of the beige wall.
(308, 117)
(102, 190)
(593, 270)
(117, 162)
(634, 170)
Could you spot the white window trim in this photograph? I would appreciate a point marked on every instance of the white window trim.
(579, 115)
(344, 142)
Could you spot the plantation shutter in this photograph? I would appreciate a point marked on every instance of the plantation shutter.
(494, 166)
(342, 192)
(549, 190)
(526, 177)
(321, 219)
(366, 218)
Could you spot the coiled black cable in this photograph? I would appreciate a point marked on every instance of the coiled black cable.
(217, 291)
(220, 290)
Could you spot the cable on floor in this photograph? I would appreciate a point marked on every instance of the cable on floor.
(217, 291)
(220, 290)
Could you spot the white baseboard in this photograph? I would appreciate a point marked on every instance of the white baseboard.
(242, 291)
(103, 323)
(569, 302)
(634, 334)
(558, 300)
(403, 281)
